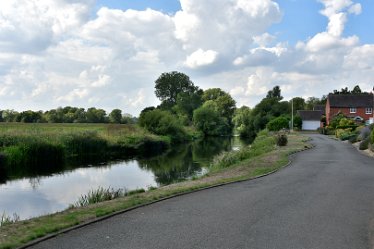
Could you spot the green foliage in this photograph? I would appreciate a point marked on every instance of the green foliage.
(169, 85)
(275, 93)
(298, 122)
(278, 124)
(282, 140)
(364, 144)
(311, 102)
(243, 122)
(46, 146)
(372, 137)
(187, 102)
(225, 105)
(262, 144)
(298, 104)
(94, 115)
(32, 151)
(334, 123)
(346, 122)
(99, 195)
(208, 121)
(115, 116)
(162, 123)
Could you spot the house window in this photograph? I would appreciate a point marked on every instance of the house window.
(369, 110)
(352, 110)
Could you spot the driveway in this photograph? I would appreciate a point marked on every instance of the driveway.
(323, 200)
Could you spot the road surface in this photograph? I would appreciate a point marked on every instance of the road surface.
(323, 200)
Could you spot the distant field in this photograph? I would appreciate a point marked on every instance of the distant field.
(47, 128)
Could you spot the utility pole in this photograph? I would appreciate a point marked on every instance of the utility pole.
(292, 114)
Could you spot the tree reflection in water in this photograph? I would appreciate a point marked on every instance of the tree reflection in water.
(185, 161)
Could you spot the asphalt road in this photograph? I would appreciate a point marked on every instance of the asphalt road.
(323, 200)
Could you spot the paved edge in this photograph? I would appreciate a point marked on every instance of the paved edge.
(63, 231)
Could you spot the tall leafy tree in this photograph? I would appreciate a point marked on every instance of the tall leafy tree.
(169, 85)
(298, 104)
(275, 93)
(115, 116)
(225, 104)
(356, 90)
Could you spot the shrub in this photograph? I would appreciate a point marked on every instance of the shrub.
(208, 121)
(297, 122)
(282, 140)
(364, 145)
(162, 123)
(278, 124)
(353, 139)
(84, 143)
(34, 153)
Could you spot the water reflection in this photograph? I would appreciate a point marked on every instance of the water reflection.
(35, 193)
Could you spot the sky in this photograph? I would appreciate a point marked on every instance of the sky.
(108, 53)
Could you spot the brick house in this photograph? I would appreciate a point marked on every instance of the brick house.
(356, 106)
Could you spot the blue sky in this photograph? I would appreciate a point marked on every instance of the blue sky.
(87, 53)
(301, 18)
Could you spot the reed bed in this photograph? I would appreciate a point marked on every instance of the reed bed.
(30, 144)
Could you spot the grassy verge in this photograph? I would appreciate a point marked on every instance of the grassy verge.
(264, 158)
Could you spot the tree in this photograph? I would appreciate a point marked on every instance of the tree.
(356, 90)
(115, 116)
(275, 93)
(10, 115)
(225, 104)
(207, 120)
(96, 115)
(243, 122)
(313, 101)
(187, 102)
(298, 122)
(169, 85)
(162, 123)
(277, 124)
(298, 104)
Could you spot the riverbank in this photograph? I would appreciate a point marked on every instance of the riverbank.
(46, 147)
(264, 161)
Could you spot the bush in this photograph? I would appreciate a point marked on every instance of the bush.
(162, 123)
(282, 140)
(278, 124)
(353, 139)
(364, 145)
(208, 121)
(297, 122)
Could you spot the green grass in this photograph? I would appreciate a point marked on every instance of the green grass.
(262, 160)
(44, 144)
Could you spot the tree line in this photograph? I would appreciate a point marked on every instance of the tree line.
(213, 112)
(67, 114)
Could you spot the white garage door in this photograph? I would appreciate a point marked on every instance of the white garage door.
(311, 125)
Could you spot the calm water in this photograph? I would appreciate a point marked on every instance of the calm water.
(37, 195)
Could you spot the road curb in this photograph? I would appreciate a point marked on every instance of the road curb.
(99, 219)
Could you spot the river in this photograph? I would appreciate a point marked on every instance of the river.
(40, 193)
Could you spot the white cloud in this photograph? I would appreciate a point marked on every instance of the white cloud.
(59, 52)
(201, 58)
